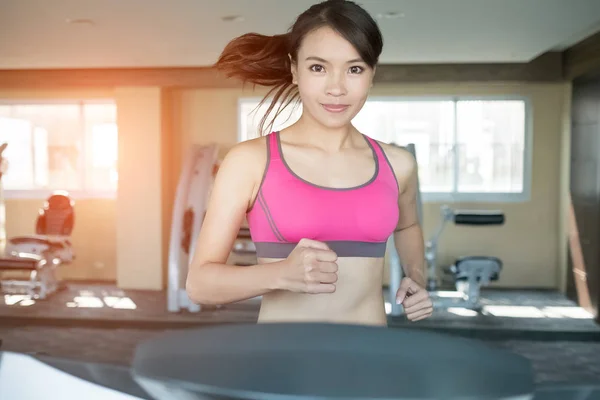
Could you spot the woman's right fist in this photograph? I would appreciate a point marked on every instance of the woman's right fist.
(310, 268)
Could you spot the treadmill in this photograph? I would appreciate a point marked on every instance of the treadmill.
(294, 361)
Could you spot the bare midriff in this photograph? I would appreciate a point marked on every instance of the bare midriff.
(358, 298)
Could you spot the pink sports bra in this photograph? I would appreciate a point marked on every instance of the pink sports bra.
(354, 222)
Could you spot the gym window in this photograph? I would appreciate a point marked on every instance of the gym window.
(68, 146)
(468, 149)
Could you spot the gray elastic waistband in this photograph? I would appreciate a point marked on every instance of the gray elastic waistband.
(341, 248)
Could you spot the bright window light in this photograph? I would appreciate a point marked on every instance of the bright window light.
(463, 312)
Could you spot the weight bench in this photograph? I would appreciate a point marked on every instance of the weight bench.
(38, 256)
(469, 273)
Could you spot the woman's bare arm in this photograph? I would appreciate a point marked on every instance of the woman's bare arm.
(210, 280)
(408, 235)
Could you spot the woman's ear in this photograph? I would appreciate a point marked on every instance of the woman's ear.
(373, 76)
(294, 70)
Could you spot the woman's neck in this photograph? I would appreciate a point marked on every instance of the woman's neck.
(311, 132)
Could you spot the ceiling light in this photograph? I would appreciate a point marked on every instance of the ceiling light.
(390, 15)
(80, 21)
(232, 18)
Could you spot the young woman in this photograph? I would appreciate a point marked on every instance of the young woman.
(321, 199)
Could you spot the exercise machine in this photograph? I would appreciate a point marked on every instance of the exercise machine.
(39, 255)
(36, 257)
(193, 190)
(292, 361)
(468, 273)
(326, 361)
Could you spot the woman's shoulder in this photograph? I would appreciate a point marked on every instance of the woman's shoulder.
(402, 161)
(397, 154)
(247, 156)
(248, 149)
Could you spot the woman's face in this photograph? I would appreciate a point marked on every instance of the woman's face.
(332, 79)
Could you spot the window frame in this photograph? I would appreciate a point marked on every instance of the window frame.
(454, 196)
(42, 194)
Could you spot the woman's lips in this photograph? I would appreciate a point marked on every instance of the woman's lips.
(335, 108)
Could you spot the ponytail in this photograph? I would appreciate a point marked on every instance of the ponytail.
(261, 60)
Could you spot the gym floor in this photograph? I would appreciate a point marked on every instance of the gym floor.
(100, 323)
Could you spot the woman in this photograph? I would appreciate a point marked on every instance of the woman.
(321, 199)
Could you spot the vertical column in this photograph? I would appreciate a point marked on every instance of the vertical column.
(139, 201)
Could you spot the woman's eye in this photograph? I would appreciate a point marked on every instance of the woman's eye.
(356, 70)
(316, 68)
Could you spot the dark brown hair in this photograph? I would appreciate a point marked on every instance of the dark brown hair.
(265, 60)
